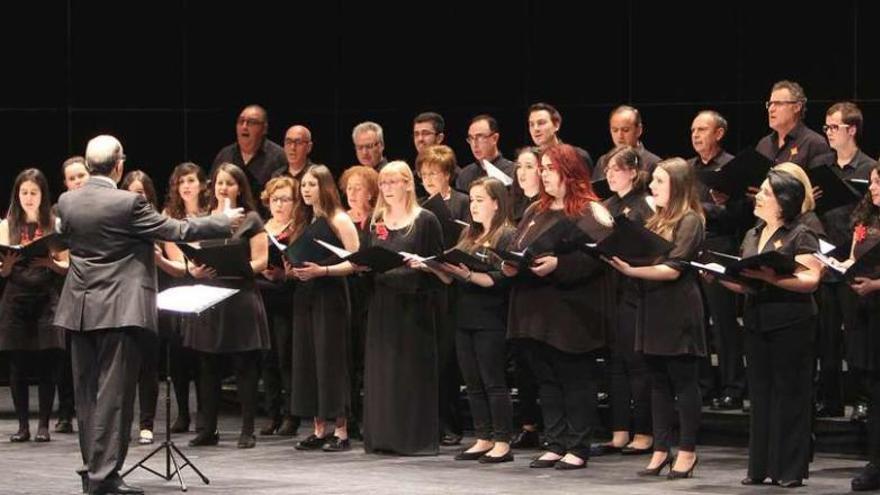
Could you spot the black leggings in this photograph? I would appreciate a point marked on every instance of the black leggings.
(482, 356)
(47, 364)
(629, 379)
(675, 377)
(247, 374)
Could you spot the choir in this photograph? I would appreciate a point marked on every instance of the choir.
(491, 273)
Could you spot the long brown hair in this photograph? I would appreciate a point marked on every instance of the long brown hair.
(174, 206)
(683, 198)
(573, 171)
(475, 236)
(245, 198)
(17, 218)
(867, 213)
(327, 204)
(147, 183)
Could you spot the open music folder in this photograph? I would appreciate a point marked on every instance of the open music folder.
(192, 298)
(229, 257)
(40, 248)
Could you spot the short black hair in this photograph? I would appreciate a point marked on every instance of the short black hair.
(434, 118)
(789, 192)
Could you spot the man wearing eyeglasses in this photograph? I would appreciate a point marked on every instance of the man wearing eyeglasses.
(843, 127)
(483, 139)
(297, 147)
(626, 128)
(428, 130)
(790, 140)
(252, 151)
(369, 145)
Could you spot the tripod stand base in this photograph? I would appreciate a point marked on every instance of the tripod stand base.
(170, 460)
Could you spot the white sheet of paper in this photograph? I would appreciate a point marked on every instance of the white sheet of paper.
(338, 251)
(496, 173)
(192, 298)
(826, 247)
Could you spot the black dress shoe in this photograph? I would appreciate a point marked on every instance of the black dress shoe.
(860, 412)
(21, 436)
(180, 425)
(657, 470)
(676, 475)
(567, 466)
(42, 435)
(116, 488)
(84, 478)
(752, 481)
(526, 440)
(288, 427)
(464, 455)
(270, 428)
(829, 411)
(488, 459)
(247, 441)
(336, 444)
(205, 439)
(311, 442)
(64, 426)
(539, 463)
(636, 451)
(726, 403)
(790, 483)
(450, 438)
(600, 449)
(868, 479)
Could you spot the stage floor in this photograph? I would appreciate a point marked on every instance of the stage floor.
(274, 467)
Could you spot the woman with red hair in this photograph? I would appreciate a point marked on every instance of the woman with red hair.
(556, 305)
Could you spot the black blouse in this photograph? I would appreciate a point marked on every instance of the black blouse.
(485, 308)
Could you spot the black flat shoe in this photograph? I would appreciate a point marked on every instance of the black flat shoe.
(449, 439)
(180, 425)
(657, 470)
(726, 403)
(868, 479)
(635, 451)
(526, 440)
(464, 455)
(271, 428)
(288, 427)
(311, 442)
(601, 449)
(487, 459)
(42, 435)
(247, 441)
(751, 481)
(21, 436)
(336, 444)
(205, 439)
(860, 412)
(116, 488)
(539, 463)
(567, 466)
(64, 426)
(790, 483)
(677, 475)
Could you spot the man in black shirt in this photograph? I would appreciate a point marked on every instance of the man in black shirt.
(723, 218)
(625, 125)
(483, 139)
(252, 151)
(791, 140)
(544, 123)
(297, 147)
(369, 145)
(843, 126)
(428, 130)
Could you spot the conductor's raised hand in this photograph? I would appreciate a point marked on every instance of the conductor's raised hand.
(235, 215)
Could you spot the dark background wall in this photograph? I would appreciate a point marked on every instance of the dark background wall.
(169, 77)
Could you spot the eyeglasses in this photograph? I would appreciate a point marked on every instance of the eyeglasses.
(474, 138)
(249, 122)
(122, 157)
(431, 174)
(296, 142)
(391, 182)
(778, 103)
(424, 133)
(834, 127)
(366, 147)
(281, 199)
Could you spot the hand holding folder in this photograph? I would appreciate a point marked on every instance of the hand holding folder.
(450, 226)
(40, 248)
(230, 258)
(867, 266)
(832, 190)
(304, 248)
(747, 169)
(376, 258)
(631, 242)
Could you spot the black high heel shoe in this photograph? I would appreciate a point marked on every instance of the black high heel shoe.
(656, 471)
(677, 475)
(205, 439)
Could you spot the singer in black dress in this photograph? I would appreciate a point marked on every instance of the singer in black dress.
(401, 357)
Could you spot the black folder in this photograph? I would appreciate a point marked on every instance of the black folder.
(450, 227)
(747, 169)
(600, 187)
(40, 248)
(782, 264)
(457, 256)
(631, 242)
(560, 238)
(378, 258)
(835, 191)
(229, 257)
(860, 185)
(305, 249)
(868, 264)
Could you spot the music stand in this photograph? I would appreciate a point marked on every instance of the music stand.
(185, 299)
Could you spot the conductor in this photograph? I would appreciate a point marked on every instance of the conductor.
(109, 302)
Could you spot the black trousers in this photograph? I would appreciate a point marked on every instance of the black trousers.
(836, 301)
(449, 378)
(105, 370)
(873, 379)
(526, 385)
(628, 377)
(247, 375)
(66, 404)
(46, 364)
(482, 356)
(779, 367)
(727, 338)
(567, 388)
(148, 381)
(674, 382)
(276, 363)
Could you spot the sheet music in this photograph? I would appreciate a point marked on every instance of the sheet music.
(496, 173)
(192, 298)
(338, 251)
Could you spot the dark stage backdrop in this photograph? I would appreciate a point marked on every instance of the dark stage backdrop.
(169, 77)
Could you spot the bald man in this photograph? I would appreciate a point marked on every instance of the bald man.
(297, 148)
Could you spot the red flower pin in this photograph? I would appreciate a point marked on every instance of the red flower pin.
(860, 233)
(381, 231)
